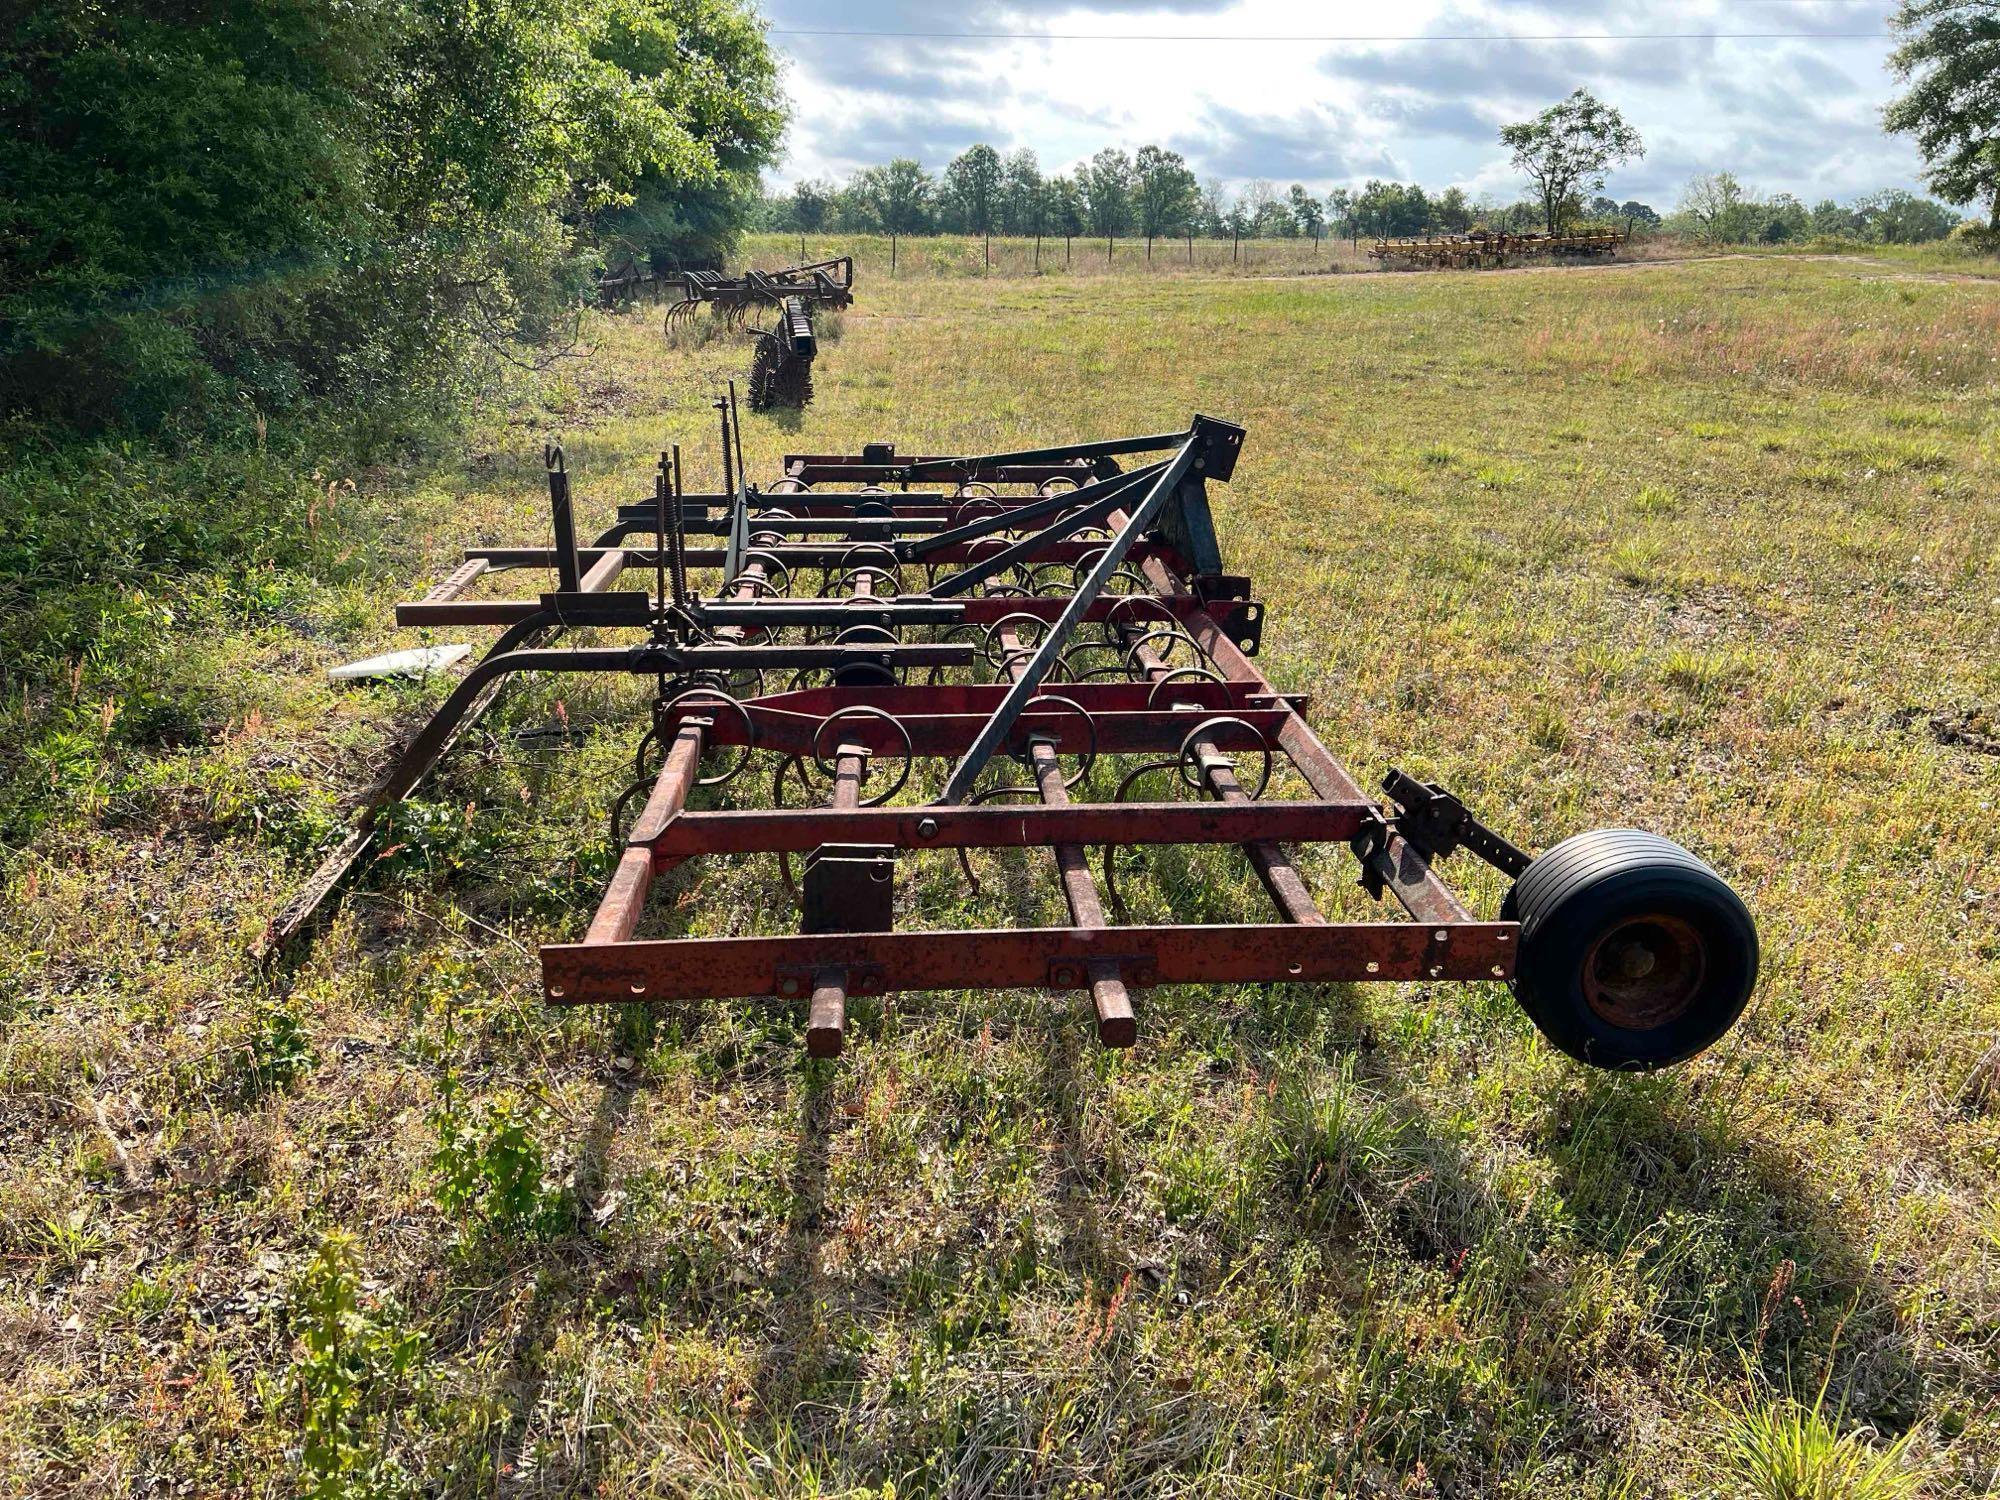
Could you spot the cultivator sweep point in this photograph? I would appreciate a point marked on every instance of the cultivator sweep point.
(883, 630)
(1483, 249)
(781, 367)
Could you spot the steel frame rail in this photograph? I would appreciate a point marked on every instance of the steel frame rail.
(1044, 607)
(1207, 713)
(1031, 561)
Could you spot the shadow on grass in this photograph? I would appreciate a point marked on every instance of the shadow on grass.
(569, 1277)
(1664, 1229)
(1665, 1239)
(1750, 1261)
(794, 1281)
(1662, 1238)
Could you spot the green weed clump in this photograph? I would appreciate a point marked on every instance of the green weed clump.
(490, 1173)
(1330, 1137)
(352, 1367)
(1785, 1450)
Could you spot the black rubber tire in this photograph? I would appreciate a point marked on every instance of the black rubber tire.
(1634, 954)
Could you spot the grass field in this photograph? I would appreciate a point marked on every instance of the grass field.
(1709, 548)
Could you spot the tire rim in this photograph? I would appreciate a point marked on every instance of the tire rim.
(1645, 972)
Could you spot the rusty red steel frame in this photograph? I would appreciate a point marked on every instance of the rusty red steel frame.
(1040, 609)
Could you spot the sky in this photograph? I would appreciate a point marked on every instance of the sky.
(1796, 113)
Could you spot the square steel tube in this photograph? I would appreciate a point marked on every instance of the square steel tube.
(1025, 958)
(993, 826)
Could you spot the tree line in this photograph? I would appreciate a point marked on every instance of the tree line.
(1716, 207)
(1148, 193)
(981, 191)
(1565, 152)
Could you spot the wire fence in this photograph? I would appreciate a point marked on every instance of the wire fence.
(960, 255)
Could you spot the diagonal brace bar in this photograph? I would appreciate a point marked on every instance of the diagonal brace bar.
(1029, 680)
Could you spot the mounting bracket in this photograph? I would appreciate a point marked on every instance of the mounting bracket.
(1435, 823)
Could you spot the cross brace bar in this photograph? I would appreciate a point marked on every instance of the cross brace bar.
(1024, 958)
(762, 831)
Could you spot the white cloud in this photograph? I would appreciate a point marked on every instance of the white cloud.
(1800, 115)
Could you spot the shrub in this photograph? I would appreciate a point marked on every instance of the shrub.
(213, 214)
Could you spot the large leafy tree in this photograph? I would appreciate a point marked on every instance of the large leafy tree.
(220, 206)
(1067, 211)
(1450, 212)
(1895, 217)
(1567, 149)
(1340, 212)
(898, 195)
(1166, 191)
(1307, 211)
(972, 188)
(1023, 195)
(1389, 208)
(1107, 182)
(1950, 58)
(1717, 208)
(812, 202)
(708, 61)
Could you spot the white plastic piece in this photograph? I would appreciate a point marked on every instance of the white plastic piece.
(420, 661)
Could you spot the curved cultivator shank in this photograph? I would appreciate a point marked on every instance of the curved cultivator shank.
(931, 657)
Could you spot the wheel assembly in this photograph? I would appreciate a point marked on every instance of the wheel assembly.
(780, 373)
(1634, 953)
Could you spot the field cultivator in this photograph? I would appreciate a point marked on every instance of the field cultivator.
(884, 631)
(781, 366)
(1482, 249)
